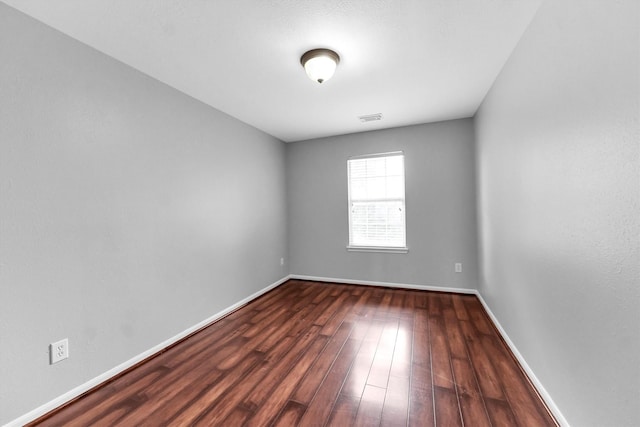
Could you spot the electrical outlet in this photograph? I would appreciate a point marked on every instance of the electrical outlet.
(281, 261)
(58, 351)
(458, 267)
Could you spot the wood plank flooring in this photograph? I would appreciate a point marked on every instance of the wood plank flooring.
(316, 354)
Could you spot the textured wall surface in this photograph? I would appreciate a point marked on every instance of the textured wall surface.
(128, 212)
(559, 188)
(440, 201)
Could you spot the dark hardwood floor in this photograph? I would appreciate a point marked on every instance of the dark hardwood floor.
(315, 354)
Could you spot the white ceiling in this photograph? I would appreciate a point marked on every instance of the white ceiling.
(414, 61)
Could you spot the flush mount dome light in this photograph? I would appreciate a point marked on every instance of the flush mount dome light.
(320, 64)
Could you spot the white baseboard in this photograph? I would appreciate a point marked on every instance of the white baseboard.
(536, 383)
(83, 388)
(385, 284)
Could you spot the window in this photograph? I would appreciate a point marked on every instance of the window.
(376, 202)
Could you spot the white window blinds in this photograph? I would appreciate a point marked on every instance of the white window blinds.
(376, 201)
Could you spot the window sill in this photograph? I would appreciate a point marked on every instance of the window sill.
(382, 249)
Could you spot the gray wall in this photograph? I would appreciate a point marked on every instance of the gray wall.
(440, 200)
(128, 212)
(559, 187)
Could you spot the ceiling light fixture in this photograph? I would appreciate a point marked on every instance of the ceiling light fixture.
(320, 64)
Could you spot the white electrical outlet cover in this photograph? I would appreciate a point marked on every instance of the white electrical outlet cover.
(59, 350)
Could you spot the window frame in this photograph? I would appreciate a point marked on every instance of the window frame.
(377, 248)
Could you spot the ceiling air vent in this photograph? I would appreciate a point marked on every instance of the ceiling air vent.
(370, 117)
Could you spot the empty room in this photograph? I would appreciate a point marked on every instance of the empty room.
(320, 213)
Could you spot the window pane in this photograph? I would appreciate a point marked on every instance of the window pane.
(357, 168)
(376, 188)
(376, 200)
(395, 166)
(395, 187)
(358, 188)
(377, 224)
(376, 167)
